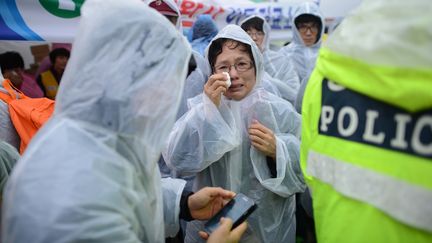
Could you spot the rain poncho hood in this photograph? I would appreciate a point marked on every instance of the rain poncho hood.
(204, 27)
(214, 143)
(266, 29)
(302, 56)
(90, 173)
(308, 8)
(279, 69)
(236, 33)
(203, 31)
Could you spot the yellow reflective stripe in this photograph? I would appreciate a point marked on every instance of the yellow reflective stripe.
(415, 170)
(407, 88)
(403, 201)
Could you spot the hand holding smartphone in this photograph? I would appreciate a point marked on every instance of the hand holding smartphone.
(237, 209)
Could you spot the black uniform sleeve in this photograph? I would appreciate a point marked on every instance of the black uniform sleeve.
(184, 208)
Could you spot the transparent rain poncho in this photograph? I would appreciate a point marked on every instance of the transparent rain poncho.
(194, 84)
(8, 158)
(213, 142)
(302, 56)
(90, 174)
(279, 70)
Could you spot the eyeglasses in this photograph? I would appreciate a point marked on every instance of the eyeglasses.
(257, 34)
(304, 27)
(241, 66)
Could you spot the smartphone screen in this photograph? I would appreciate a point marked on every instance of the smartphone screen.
(238, 209)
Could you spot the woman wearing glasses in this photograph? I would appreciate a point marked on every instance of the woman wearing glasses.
(242, 138)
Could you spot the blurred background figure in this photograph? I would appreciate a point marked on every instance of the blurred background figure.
(202, 32)
(308, 30)
(45, 64)
(49, 80)
(12, 66)
(169, 9)
(279, 70)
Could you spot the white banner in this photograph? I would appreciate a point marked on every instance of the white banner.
(277, 14)
(57, 20)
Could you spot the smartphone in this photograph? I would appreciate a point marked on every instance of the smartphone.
(237, 209)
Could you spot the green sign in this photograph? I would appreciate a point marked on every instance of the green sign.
(63, 8)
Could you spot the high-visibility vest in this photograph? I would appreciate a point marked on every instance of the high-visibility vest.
(368, 161)
(50, 84)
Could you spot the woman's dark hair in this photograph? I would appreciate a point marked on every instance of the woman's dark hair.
(10, 60)
(59, 52)
(216, 48)
(255, 22)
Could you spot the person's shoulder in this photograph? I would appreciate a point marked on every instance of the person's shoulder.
(288, 50)
(195, 101)
(275, 106)
(267, 96)
(279, 103)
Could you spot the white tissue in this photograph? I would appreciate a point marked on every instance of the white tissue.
(228, 82)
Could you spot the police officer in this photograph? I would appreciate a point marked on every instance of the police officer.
(367, 127)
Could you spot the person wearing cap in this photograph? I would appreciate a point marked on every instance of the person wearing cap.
(90, 174)
(241, 137)
(169, 9)
(278, 69)
(308, 30)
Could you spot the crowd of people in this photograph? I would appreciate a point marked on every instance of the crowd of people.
(153, 131)
(45, 82)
